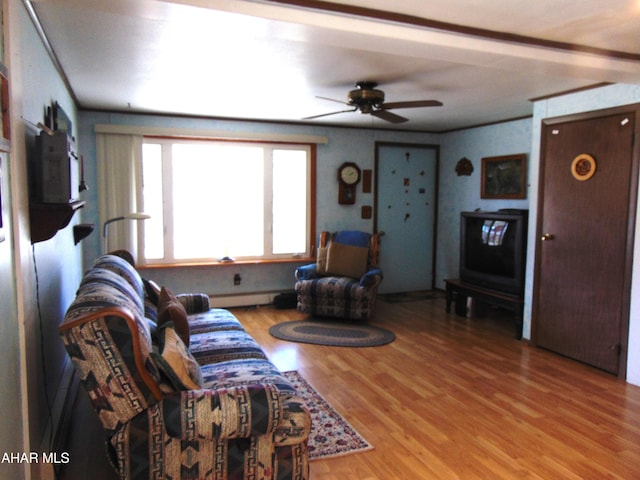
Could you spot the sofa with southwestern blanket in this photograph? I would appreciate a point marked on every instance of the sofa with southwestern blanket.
(181, 390)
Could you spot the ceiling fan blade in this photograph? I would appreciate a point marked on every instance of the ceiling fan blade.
(414, 104)
(332, 100)
(327, 114)
(388, 116)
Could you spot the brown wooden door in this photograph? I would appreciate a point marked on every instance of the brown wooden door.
(584, 239)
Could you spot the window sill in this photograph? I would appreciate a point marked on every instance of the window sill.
(218, 263)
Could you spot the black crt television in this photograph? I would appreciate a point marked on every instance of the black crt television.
(493, 249)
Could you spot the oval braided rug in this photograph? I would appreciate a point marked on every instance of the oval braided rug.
(332, 333)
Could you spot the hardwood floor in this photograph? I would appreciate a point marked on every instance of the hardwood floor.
(450, 398)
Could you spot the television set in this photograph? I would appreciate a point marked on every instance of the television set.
(493, 249)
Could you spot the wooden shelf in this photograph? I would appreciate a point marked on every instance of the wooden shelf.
(515, 303)
(47, 218)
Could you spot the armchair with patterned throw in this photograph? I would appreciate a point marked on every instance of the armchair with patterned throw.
(344, 281)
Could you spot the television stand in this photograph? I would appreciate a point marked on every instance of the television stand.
(515, 303)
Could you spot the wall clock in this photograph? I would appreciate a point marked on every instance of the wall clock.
(348, 178)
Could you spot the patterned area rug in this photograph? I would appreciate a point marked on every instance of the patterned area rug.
(331, 435)
(336, 334)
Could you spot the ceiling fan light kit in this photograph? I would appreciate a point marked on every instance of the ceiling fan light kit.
(367, 99)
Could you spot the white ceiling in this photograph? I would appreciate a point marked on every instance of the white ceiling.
(270, 60)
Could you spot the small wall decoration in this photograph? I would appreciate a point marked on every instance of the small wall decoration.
(464, 167)
(367, 175)
(583, 167)
(504, 176)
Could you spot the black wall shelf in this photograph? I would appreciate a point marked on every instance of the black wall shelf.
(81, 231)
(47, 218)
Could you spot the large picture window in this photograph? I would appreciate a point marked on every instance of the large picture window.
(221, 200)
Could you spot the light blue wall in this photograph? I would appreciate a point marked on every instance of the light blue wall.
(58, 260)
(354, 145)
(462, 193)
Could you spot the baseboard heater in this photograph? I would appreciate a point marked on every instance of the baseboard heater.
(243, 300)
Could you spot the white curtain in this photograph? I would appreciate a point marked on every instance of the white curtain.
(119, 160)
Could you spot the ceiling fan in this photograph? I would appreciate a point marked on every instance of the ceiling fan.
(368, 99)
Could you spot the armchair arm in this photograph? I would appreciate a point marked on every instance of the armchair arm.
(194, 302)
(307, 272)
(236, 412)
(370, 278)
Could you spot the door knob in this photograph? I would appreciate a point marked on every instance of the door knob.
(547, 236)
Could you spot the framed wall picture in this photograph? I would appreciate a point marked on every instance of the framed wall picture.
(504, 177)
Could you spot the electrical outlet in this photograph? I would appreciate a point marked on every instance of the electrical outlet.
(237, 279)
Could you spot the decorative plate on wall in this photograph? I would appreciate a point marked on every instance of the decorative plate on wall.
(583, 167)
